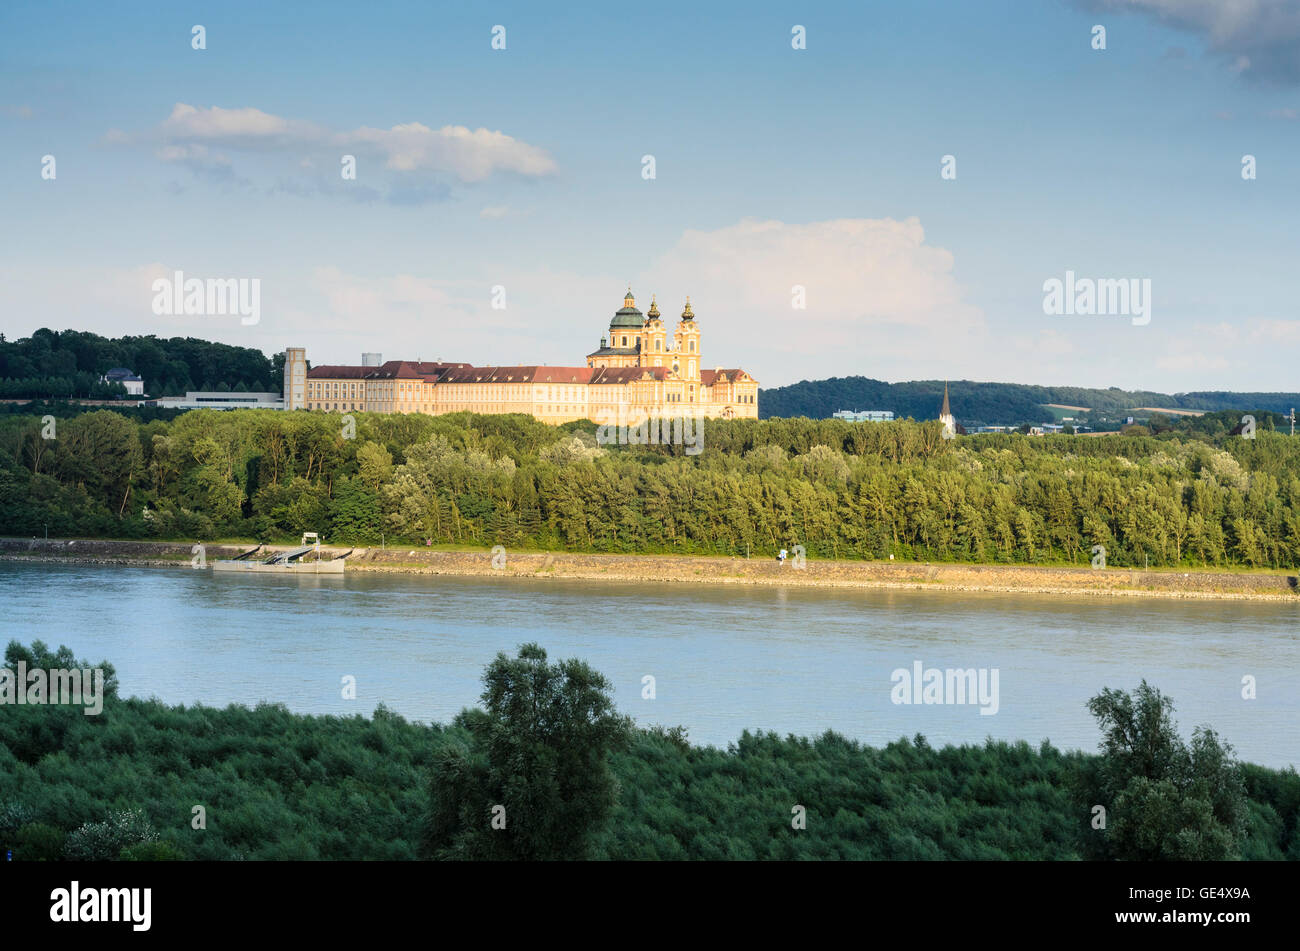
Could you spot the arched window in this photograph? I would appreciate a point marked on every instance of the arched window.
(692, 346)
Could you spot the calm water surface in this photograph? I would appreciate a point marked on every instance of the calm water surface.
(724, 658)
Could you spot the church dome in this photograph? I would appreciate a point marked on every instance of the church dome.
(627, 317)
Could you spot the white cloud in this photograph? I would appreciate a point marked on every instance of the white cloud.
(471, 155)
(1275, 331)
(188, 122)
(875, 293)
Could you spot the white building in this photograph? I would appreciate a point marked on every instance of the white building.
(134, 384)
(206, 400)
(865, 415)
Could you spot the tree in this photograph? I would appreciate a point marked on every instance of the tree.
(1164, 800)
(355, 515)
(528, 778)
(375, 464)
(37, 842)
(40, 657)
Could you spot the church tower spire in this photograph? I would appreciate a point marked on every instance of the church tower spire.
(686, 341)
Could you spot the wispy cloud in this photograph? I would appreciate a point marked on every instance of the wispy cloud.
(1260, 39)
(471, 155)
(417, 162)
(203, 162)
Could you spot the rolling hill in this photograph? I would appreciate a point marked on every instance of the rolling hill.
(995, 404)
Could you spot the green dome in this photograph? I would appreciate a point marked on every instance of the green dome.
(627, 318)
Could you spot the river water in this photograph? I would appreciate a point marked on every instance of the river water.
(723, 658)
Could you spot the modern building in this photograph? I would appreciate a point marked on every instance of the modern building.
(865, 415)
(134, 384)
(637, 370)
(195, 399)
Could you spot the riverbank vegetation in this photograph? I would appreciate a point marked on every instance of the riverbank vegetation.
(581, 782)
(841, 490)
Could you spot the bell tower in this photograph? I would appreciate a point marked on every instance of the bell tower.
(654, 338)
(687, 344)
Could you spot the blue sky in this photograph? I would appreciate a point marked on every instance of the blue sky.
(774, 167)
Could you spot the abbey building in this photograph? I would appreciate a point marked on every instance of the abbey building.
(638, 370)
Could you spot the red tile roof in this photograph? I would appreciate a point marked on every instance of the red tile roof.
(338, 373)
(392, 370)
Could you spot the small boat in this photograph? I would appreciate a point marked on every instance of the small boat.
(306, 559)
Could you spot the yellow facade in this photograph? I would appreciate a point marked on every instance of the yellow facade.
(637, 371)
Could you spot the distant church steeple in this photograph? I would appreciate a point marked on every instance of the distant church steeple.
(945, 414)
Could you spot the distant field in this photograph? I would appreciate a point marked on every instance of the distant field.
(1170, 412)
(1081, 409)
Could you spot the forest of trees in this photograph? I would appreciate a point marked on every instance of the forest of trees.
(66, 365)
(989, 404)
(277, 785)
(841, 490)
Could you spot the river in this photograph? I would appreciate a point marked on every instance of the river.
(723, 658)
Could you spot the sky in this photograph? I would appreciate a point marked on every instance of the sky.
(503, 201)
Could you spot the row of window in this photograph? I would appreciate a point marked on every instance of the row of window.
(551, 410)
(658, 344)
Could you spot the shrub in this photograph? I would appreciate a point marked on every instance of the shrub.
(157, 851)
(37, 842)
(104, 841)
